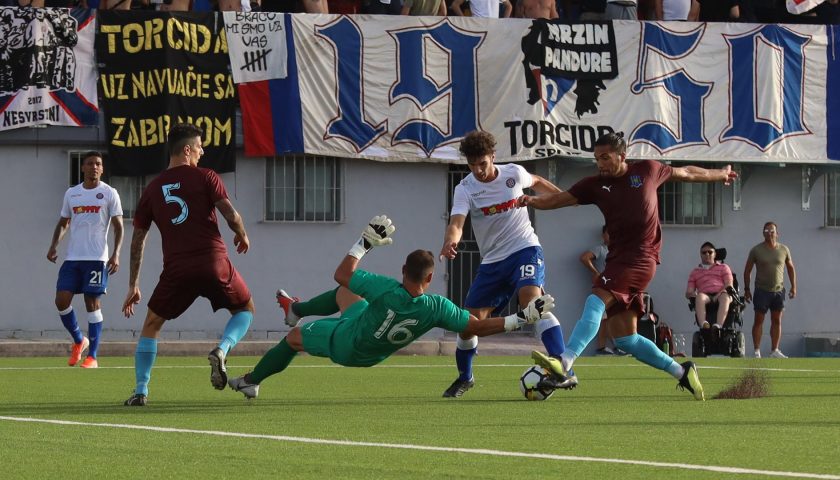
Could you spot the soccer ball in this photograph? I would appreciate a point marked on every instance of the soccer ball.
(529, 380)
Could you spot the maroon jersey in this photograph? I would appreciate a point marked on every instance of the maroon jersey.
(181, 202)
(630, 207)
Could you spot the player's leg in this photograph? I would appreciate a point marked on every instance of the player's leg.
(623, 329)
(144, 357)
(70, 281)
(96, 274)
(225, 288)
(466, 348)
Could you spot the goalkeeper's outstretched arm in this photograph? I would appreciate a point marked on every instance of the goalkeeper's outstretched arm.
(376, 234)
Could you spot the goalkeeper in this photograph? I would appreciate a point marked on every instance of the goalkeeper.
(379, 315)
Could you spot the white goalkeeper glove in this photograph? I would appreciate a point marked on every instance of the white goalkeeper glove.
(534, 311)
(376, 234)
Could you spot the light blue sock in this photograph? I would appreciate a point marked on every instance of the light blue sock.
(235, 329)
(144, 358)
(587, 327)
(68, 318)
(551, 334)
(646, 352)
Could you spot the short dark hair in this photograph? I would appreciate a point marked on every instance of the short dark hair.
(614, 140)
(767, 224)
(419, 264)
(708, 244)
(477, 144)
(90, 153)
(180, 135)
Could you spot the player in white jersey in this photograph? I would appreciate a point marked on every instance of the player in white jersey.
(512, 259)
(89, 209)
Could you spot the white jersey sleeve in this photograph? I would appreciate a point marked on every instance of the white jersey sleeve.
(460, 202)
(115, 205)
(525, 177)
(65, 206)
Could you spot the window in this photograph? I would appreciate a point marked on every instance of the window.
(303, 188)
(129, 188)
(832, 199)
(682, 203)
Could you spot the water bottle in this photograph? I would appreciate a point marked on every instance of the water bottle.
(666, 347)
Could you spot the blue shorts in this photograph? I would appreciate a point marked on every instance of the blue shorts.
(496, 283)
(83, 276)
(764, 300)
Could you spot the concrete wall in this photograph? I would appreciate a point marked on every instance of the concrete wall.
(301, 257)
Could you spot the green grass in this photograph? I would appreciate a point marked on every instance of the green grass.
(622, 410)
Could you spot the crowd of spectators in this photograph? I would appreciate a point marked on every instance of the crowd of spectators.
(751, 11)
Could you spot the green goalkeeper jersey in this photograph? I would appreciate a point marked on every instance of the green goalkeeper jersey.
(393, 318)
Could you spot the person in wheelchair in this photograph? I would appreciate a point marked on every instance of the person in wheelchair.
(710, 283)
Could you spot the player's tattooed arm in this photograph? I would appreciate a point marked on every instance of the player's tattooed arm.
(234, 221)
(114, 261)
(138, 243)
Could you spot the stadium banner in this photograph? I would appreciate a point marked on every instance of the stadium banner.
(409, 88)
(256, 54)
(47, 68)
(161, 68)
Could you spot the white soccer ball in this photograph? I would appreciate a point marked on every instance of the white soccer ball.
(529, 380)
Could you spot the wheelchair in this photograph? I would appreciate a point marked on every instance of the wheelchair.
(728, 340)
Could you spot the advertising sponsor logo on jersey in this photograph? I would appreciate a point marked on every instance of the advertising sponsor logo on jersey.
(499, 207)
(86, 209)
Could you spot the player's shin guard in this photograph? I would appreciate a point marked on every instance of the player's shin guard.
(551, 333)
(587, 327)
(144, 359)
(94, 331)
(68, 318)
(235, 329)
(464, 353)
(645, 351)
(323, 305)
(274, 361)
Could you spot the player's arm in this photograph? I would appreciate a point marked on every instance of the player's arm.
(138, 243)
(453, 234)
(58, 234)
(234, 221)
(548, 201)
(791, 276)
(528, 315)
(543, 186)
(747, 274)
(690, 173)
(376, 234)
(114, 261)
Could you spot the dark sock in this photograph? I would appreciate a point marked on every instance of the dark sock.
(323, 305)
(274, 361)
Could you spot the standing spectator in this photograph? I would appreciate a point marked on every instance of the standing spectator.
(419, 8)
(595, 259)
(382, 7)
(536, 9)
(680, 10)
(89, 208)
(770, 258)
(483, 8)
(182, 202)
(719, 10)
(708, 283)
(592, 10)
(621, 10)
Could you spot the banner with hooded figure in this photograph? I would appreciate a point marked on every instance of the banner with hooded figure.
(157, 69)
(47, 71)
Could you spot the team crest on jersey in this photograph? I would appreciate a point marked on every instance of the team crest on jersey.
(100, 196)
(636, 181)
(510, 182)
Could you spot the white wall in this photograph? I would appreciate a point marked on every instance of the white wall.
(302, 257)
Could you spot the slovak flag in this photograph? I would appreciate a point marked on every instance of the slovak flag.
(272, 120)
(801, 6)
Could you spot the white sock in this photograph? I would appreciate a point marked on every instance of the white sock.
(676, 370)
(567, 358)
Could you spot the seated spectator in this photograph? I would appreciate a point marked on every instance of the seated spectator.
(719, 10)
(708, 283)
(419, 8)
(483, 8)
(536, 9)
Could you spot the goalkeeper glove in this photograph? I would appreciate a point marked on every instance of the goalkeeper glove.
(530, 314)
(377, 233)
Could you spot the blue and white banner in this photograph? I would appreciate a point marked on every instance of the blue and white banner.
(409, 88)
(47, 68)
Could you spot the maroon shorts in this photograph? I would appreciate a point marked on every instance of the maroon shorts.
(626, 282)
(182, 282)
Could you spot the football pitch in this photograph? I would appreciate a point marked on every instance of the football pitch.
(320, 421)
